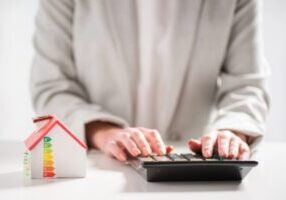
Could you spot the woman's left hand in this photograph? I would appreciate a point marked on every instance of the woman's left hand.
(225, 143)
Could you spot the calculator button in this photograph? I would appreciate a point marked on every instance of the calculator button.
(192, 157)
(146, 159)
(215, 156)
(197, 159)
(176, 157)
(162, 158)
(188, 156)
(211, 159)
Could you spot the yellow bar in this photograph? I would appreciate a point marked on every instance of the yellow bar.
(48, 157)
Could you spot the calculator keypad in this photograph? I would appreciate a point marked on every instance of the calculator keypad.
(186, 157)
(190, 167)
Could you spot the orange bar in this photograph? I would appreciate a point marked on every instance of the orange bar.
(46, 168)
(48, 163)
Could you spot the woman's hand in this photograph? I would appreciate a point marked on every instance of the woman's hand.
(225, 143)
(121, 143)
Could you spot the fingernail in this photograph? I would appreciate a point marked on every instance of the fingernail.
(149, 150)
(207, 152)
(145, 151)
(162, 150)
(233, 152)
(210, 153)
(190, 142)
(169, 149)
(221, 153)
(225, 154)
(122, 157)
(159, 152)
(135, 151)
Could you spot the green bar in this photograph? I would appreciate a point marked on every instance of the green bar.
(48, 150)
(47, 145)
(47, 139)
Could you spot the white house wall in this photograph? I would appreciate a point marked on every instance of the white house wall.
(69, 156)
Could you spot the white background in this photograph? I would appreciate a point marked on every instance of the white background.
(16, 29)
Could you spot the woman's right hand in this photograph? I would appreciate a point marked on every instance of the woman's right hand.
(122, 143)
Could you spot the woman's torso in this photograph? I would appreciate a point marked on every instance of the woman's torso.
(176, 49)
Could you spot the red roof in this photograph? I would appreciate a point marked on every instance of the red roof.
(52, 121)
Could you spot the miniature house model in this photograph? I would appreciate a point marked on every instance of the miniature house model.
(54, 151)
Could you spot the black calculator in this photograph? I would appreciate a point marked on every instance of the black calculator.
(191, 167)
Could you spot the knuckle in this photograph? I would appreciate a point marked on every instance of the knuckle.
(136, 133)
(139, 139)
(109, 146)
(154, 132)
(221, 134)
(206, 137)
(235, 138)
(235, 142)
(228, 132)
(246, 147)
(128, 129)
(142, 144)
(125, 136)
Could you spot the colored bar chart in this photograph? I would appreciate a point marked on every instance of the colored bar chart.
(27, 165)
(48, 159)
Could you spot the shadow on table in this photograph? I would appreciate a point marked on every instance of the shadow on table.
(136, 183)
(15, 179)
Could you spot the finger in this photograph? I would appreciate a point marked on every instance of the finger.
(195, 145)
(223, 140)
(169, 149)
(114, 150)
(141, 141)
(234, 147)
(208, 142)
(155, 140)
(244, 151)
(129, 145)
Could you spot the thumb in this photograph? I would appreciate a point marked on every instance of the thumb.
(195, 145)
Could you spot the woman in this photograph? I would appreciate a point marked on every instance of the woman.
(129, 75)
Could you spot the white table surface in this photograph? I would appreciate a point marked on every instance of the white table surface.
(109, 179)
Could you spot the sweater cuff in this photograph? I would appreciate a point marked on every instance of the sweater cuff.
(78, 119)
(240, 123)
